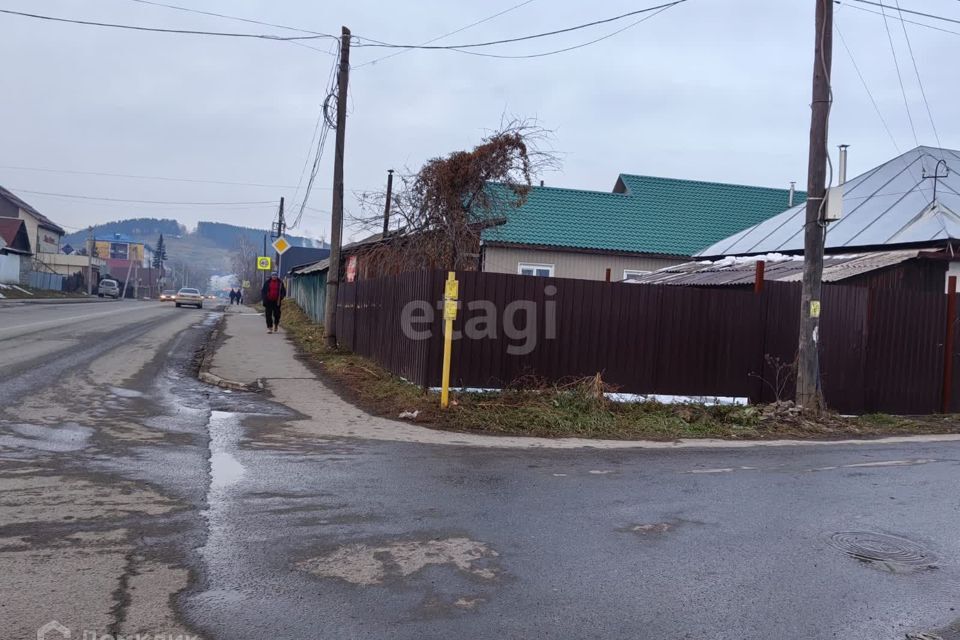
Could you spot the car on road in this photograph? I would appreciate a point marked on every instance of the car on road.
(108, 288)
(168, 295)
(189, 297)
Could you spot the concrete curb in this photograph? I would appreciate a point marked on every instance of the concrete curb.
(204, 374)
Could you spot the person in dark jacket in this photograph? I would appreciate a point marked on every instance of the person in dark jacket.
(233, 297)
(273, 293)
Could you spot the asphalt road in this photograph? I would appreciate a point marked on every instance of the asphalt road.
(135, 500)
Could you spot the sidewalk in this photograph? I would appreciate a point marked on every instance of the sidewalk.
(250, 356)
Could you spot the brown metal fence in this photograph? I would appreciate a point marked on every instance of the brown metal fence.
(881, 350)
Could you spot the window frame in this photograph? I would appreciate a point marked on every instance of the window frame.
(634, 272)
(534, 266)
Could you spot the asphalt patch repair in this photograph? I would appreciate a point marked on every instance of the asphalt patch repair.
(368, 565)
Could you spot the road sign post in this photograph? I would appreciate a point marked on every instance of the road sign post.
(451, 290)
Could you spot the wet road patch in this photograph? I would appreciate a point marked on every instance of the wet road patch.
(366, 565)
(886, 552)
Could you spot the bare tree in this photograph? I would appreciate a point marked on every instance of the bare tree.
(440, 211)
(243, 263)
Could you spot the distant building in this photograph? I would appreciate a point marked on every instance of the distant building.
(45, 236)
(122, 254)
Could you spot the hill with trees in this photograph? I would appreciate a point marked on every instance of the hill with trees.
(204, 251)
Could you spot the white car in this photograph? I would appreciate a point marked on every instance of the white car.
(109, 288)
(189, 297)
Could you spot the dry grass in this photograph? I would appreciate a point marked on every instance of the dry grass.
(578, 408)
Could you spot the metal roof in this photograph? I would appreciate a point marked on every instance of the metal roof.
(661, 216)
(889, 205)
(310, 268)
(777, 267)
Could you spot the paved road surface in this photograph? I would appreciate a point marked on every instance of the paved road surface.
(134, 499)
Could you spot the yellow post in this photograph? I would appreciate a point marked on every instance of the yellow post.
(450, 292)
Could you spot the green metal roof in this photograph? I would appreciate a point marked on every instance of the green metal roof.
(651, 216)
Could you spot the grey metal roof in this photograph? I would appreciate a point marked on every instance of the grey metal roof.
(889, 205)
(304, 269)
(778, 267)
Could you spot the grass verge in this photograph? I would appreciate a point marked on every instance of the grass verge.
(578, 409)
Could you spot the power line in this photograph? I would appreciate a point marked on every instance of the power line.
(458, 47)
(142, 177)
(106, 199)
(576, 46)
(112, 25)
(916, 13)
(919, 24)
(446, 35)
(903, 91)
(228, 17)
(916, 70)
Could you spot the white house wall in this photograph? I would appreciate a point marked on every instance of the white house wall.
(569, 264)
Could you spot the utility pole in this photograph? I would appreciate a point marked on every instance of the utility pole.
(386, 206)
(808, 354)
(281, 229)
(336, 222)
(91, 243)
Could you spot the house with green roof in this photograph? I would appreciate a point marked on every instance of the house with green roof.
(644, 224)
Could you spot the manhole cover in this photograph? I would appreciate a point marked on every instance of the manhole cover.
(884, 551)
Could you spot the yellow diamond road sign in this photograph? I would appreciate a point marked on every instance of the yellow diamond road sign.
(263, 263)
(281, 244)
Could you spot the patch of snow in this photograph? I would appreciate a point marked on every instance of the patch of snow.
(668, 399)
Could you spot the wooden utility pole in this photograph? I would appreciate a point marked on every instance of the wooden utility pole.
(386, 205)
(808, 355)
(336, 222)
(281, 229)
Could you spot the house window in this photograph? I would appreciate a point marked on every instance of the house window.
(542, 270)
(633, 273)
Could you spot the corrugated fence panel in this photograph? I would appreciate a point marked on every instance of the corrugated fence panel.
(904, 369)
(880, 350)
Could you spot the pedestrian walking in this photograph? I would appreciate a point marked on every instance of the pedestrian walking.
(273, 293)
(233, 297)
(239, 296)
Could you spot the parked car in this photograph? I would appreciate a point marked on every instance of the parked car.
(109, 288)
(189, 297)
(168, 295)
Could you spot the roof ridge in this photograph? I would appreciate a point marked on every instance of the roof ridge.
(710, 182)
(591, 191)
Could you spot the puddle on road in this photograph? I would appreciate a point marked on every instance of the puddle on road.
(225, 469)
(126, 393)
(67, 437)
(369, 565)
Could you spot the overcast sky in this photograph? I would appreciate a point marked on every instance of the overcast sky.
(710, 90)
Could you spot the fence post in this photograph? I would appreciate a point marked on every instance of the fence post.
(758, 277)
(948, 345)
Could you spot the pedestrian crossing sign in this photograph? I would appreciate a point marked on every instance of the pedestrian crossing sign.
(281, 244)
(263, 263)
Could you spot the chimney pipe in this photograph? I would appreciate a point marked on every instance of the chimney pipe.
(541, 183)
(843, 163)
(386, 206)
(793, 189)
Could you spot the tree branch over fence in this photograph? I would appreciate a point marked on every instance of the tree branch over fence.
(439, 212)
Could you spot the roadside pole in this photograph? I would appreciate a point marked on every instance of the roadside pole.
(451, 292)
(336, 221)
(808, 356)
